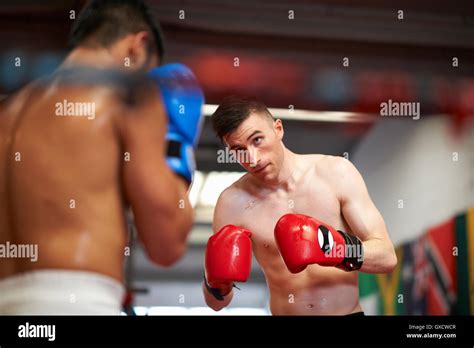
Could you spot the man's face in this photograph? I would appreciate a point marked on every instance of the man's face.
(257, 145)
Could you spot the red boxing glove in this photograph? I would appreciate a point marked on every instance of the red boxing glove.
(228, 259)
(303, 240)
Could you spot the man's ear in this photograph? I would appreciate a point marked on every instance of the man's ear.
(138, 48)
(279, 130)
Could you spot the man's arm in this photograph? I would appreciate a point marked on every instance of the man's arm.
(364, 219)
(221, 218)
(159, 200)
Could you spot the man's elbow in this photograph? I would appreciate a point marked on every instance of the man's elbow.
(391, 261)
(215, 305)
(168, 256)
(169, 249)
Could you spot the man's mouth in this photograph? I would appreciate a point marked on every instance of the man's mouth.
(260, 169)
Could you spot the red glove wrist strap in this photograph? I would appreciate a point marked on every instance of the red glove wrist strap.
(354, 253)
(216, 292)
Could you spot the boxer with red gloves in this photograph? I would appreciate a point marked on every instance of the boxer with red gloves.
(314, 226)
(303, 240)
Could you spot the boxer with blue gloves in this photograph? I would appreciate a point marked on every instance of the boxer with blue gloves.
(183, 100)
(82, 169)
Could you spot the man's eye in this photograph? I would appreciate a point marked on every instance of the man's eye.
(257, 140)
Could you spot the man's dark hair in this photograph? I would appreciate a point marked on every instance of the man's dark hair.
(233, 111)
(102, 22)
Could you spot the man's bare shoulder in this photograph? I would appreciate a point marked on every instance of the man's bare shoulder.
(236, 193)
(232, 200)
(17, 99)
(331, 167)
(331, 162)
(16, 104)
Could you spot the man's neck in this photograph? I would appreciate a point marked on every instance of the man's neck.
(287, 177)
(98, 58)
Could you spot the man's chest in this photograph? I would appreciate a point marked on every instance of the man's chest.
(261, 215)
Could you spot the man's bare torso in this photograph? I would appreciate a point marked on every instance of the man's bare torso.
(317, 290)
(60, 184)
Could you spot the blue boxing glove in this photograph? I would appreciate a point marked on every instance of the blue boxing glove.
(183, 100)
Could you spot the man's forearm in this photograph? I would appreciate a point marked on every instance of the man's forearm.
(379, 256)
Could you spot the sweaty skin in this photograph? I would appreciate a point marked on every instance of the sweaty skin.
(64, 192)
(65, 181)
(327, 188)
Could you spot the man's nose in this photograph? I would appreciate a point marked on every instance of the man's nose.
(253, 157)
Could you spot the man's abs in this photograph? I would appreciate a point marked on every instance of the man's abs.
(315, 291)
(60, 186)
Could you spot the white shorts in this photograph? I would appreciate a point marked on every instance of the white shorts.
(60, 292)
